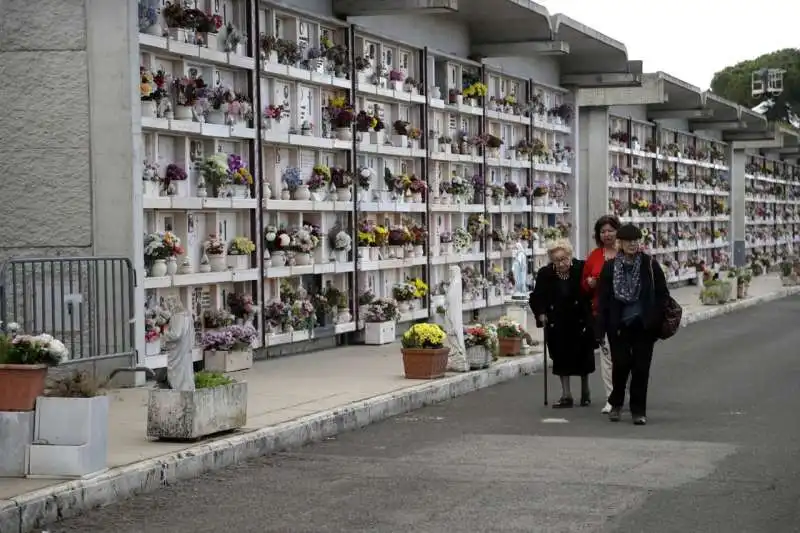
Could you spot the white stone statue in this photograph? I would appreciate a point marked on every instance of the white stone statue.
(454, 323)
(180, 341)
(520, 271)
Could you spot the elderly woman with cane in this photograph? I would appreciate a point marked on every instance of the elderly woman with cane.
(605, 236)
(632, 298)
(564, 310)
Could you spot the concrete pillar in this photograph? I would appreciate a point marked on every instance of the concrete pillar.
(736, 163)
(115, 137)
(592, 172)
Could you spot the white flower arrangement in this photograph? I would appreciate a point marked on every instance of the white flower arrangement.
(342, 241)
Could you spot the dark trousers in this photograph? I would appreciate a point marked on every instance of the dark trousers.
(631, 355)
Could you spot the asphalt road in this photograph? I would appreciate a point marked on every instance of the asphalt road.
(721, 453)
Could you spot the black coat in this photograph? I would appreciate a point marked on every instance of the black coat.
(570, 335)
(653, 297)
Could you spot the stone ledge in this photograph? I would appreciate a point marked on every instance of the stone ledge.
(36, 509)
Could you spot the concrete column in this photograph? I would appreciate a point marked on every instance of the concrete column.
(112, 51)
(592, 171)
(736, 163)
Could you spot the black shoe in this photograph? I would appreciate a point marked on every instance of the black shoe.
(639, 420)
(615, 415)
(586, 400)
(564, 403)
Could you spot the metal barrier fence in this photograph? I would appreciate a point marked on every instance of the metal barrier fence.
(86, 302)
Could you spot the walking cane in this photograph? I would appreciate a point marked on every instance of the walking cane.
(544, 336)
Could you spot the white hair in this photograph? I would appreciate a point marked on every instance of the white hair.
(559, 244)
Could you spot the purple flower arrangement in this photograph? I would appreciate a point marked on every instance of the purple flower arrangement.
(174, 173)
(229, 338)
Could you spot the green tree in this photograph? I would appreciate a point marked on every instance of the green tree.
(734, 83)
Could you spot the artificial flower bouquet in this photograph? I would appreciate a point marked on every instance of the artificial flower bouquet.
(382, 310)
(424, 336)
(42, 349)
(231, 338)
(509, 329)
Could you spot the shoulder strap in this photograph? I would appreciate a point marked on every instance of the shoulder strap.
(652, 276)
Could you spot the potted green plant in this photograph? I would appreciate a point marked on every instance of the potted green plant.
(509, 337)
(71, 431)
(24, 360)
(424, 351)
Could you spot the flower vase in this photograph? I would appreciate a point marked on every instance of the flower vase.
(419, 250)
(403, 307)
(286, 194)
(149, 109)
(400, 141)
(159, 268)
(217, 263)
(344, 134)
(267, 191)
(318, 195)
(445, 248)
(344, 194)
(374, 254)
(183, 112)
(344, 316)
(476, 247)
(302, 193)
(302, 259)
(216, 116)
(278, 259)
(172, 266)
(155, 29)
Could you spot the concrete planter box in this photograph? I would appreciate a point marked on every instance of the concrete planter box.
(16, 435)
(70, 437)
(228, 361)
(191, 415)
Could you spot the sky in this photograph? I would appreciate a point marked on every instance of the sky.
(688, 39)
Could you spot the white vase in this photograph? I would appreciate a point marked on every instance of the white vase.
(400, 141)
(403, 307)
(344, 316)
(302, 259)
(302, 193)
(286, 195)
(240, 191)
(344, 194)
(155, 29)
(159, 268)
(397, 85)
(238, 262)
(476, 247)
(341, 255)
(318, 195)
(267, 191)
(149, 108)
(153, 347)
(436, 93)
(344, 134)
(377, 137)
(172, 266)
(216, 116)
(419, 250)
(278, 259)
(183, 112)
(217, 263)
(374, 254)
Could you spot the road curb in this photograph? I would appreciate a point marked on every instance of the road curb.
(36, 509)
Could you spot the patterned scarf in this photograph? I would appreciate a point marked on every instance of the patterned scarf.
(627, 278)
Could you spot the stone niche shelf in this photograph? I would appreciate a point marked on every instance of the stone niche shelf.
(772, 209)
(395, 82)
(676, 186)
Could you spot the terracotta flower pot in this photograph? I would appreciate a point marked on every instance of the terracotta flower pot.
(422, 363)
(509, 346)
(20, 385)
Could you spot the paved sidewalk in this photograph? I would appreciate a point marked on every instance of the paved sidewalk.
(293, 401)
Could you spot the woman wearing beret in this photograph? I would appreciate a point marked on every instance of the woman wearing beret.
(632, 295)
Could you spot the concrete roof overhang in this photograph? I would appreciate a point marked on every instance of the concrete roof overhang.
(495, 25)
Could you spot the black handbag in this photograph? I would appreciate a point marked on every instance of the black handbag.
(672, 313)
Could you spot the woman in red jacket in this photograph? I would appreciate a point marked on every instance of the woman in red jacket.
(605, 235)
